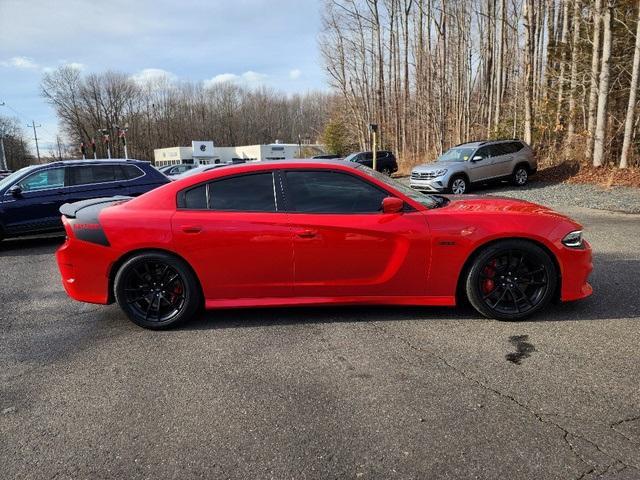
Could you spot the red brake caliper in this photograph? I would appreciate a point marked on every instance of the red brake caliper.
(488, 284)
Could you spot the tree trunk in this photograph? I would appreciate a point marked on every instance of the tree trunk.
(563, 61)
(633, 90)
(595, 70)
(603, 90)
(574, 70)
(529, 36)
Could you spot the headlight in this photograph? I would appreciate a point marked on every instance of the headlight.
(573, 239)
(439, 173)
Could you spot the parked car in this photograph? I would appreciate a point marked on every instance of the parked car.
(325, 156)
(4, 173)
(31, 197)
(173, 170)
(385, 161)
(476, 162)
(307, 232)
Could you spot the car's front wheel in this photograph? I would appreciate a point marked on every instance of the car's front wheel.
(459, 185)
(511, 280)
(157, 290)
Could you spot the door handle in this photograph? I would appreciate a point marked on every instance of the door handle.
(307, 233)
(191, 228)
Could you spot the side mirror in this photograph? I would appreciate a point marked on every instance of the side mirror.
(15, 190)
(392, 205)
(477, 158)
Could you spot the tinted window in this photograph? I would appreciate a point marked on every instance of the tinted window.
(515, 147)
(332, 192)
(498, 149)
(196, 198)
(130, 172)
(92, 174)
(247, 193)
(483, 152)
(44, 179)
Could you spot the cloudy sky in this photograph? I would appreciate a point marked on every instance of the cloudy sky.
(270, 42)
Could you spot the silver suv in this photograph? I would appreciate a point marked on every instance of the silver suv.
(476, 162)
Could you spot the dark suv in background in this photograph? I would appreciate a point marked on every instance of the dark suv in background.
(385, 160)
(30, 198)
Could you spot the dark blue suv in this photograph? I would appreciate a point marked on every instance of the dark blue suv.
(30, 198)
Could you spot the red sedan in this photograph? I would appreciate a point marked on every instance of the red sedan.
(316, 233)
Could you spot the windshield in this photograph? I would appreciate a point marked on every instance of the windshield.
(14, 176)
(426, 200)
(456, 154)
(350, 158)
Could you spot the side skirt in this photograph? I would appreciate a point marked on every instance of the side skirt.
(445, 301)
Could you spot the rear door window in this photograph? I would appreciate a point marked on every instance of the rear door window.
(242, 193)
(90, 174)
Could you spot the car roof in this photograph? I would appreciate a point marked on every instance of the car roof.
(91, 162)
(479, 143)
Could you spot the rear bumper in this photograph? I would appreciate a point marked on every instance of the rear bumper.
(576, 267)
(84, 268)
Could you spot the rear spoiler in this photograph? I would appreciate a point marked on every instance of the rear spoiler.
(94, 205)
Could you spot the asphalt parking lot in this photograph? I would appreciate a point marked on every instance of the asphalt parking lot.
(323, 392)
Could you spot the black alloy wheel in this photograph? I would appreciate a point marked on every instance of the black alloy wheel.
(511, 280)
(157, 290)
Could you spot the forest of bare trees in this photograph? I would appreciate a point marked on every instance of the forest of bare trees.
(166, 113)
(560, 74)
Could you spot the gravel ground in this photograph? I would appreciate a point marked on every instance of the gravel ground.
(615, 199)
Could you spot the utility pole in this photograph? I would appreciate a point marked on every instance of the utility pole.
(3, 158)
(35, 137)
(373, 128)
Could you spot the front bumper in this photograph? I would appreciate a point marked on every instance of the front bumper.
(431, 185)
(576, 266)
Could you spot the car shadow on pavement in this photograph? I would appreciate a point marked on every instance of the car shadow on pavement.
(23, 246)
(615, 282)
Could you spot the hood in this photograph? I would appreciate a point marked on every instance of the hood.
(501, 205)
(432, 167)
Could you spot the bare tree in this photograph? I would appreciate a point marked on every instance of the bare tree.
(603, 90)
(633, 90)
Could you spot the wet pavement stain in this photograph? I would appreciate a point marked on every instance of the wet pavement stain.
(523, 349)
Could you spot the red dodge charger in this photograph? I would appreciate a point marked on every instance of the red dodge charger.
(316, 233)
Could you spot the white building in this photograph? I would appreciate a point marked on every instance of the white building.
(246, 153)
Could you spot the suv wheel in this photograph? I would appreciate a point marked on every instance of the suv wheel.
(520, 176)
(458, 185)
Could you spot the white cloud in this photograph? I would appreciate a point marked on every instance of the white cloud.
(23, 63)
(248, 78)
(295, 74)
(152, 75)
(76, 65)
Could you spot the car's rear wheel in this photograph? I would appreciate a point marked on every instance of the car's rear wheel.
(386, 171)
(157, 290)
(511, 280)
(520, 176)
(459, 185)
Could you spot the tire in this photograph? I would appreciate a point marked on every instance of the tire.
(157, 290)
(511, 280)
(458, 185)
(386, 171)
(520, 176)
